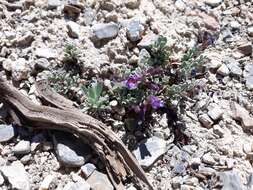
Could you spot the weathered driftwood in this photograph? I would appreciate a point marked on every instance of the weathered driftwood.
(119, 162)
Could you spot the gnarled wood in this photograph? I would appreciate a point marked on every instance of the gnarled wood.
(119, 162)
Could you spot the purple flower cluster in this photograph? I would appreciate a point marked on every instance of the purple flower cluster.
(132, 81)
(155, 102)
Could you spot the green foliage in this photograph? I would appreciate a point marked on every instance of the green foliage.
(159, 51)
(71, 53)
(63, 82)
(93, 94)
(189, 62)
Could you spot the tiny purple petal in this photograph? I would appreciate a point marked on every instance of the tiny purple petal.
(155, 102)
(131, 81)
(153, 86)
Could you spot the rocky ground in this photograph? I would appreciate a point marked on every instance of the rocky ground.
(110, 36)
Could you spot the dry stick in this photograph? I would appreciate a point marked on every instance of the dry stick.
(118, 160)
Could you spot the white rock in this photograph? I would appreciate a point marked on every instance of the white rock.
(73, 29)
(7, 64)
(80, 185)
(223, 70)
(19, 69)
(180, 5)
(208, 159)
(99, 181)
(47, 53)
(105, 31)
(149, 151)
(215, 113)
(88, 169)
(235, 25)
(247, 148)
(1, 179)
(46, 182)
(218, 131)
(16, 175)
(23, 147)
(134, 29)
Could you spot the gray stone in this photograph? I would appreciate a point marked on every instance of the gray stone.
(180, 5)
(223, 70)
(133, 4)
(41, 64)
(68, 156)
(6, 133)
(89, 16)
(99, 181)
(144, 56)
(53, 4)
(2, 162)
(213, 3)
(250, 181)
(215, 113)
(206, 171)
(235, 25)
(70, 151)
(248, 74)
(23, 147)
(134, 29)
(148, 40)
(73, 29)
(149, 151)
(179, 167)
(218, 131)
(26, 39)
(234, 68)
(230, 180)
(250, 31)
(16, 176)
(176, 182)
(80, 185)
(45, 184)
(1, 179)
(105, 31)
(19, 69)
(245, 48)
(88, 169)
(47, 53)
(239, 113)
(208, 159)
(206, 120)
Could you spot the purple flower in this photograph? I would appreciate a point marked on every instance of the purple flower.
(155, 102)
(153, 86)
(131, 81)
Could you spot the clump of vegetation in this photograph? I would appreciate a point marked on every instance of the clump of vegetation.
(159, 52)
(158, 87)
(71, 59)
(94, 98)
(71, 54)
(64, 83)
